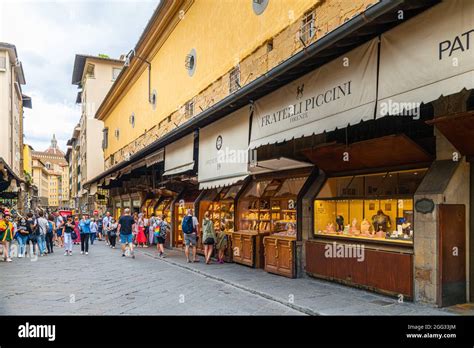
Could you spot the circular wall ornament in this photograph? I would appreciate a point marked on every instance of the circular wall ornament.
(190, 62)
(259, 6)
(219, 142)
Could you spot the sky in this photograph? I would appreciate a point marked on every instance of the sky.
(48, 35)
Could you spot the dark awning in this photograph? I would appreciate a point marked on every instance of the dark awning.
(458, 129)
(27, 103)
(375, 20)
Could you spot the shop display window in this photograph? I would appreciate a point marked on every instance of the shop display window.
(373, 207)
(220, 204)
(164, 207)
(270, 206)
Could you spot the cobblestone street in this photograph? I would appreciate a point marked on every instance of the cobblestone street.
(104, 283)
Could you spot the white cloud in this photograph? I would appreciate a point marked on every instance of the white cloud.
(48, 35)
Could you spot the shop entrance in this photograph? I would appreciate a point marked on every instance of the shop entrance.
(452, 254)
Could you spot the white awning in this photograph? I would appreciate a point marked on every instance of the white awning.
(223, 150)
(277, 164)
(426, 57)
(179, 155)
(221, 182)
(154, 158)
(93, 189)
(340, 93)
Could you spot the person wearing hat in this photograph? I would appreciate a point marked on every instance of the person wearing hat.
(6, 233)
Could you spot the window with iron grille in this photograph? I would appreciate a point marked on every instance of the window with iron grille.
(234, 79)
(3, 63)
(189, 109)
(308, 27)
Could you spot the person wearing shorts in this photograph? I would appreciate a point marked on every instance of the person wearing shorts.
(208, 236)
(124, 230)
(190, 228)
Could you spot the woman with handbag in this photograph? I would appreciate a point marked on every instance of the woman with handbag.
(112, 232)
(69, 235)
(208, 237)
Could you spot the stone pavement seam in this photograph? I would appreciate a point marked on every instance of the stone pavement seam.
(267, 296)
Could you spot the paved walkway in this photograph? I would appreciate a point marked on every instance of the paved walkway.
(104, 283)
(307, 295)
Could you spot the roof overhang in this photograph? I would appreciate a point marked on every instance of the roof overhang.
(80, 62)
(361, 28)
(13, 54)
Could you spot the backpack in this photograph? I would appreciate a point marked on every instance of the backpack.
(188, 224)
(164, 229)
(50, 227)
(157, 230)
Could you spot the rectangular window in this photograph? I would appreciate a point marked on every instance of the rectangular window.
(90, 70)
(115, 73)
(308, 28)
(189, 109)
(105, 139)
(234, 79)
(3, 63)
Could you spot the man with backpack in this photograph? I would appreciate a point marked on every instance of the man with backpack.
(41, 233)
(160, 230)
(50, 234)
(190, 227)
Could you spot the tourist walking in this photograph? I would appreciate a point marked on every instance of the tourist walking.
(100, 228)
(141, 238)
(6, 233)
(105, 224)
(77, 240)
(22, 237)
(221, 242)
(208, 237)
(190, 227)
(32, 242)
(151, 223)
(59, 221)
(68, 232)
(50, 234)
(85, 230)
(160, 230)
(94, 230)
(112, 232)
(41, 234)
(125, 227)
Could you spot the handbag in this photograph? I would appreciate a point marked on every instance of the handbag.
(73, 235)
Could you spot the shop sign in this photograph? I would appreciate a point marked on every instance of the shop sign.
(223, 150)
(424, 206)
(339, 93)
(426, 57)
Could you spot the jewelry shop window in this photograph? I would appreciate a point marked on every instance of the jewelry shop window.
(368, 207)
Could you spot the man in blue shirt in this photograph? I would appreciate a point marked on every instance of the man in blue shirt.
(85, 230)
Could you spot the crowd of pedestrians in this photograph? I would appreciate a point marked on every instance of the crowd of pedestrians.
(39, 234)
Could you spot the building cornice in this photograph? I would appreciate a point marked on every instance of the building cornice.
(160, 26)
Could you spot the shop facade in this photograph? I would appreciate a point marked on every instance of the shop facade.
(391, 198)
(354, 172)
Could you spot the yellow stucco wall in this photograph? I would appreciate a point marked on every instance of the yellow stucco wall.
(222, 33)
(27, 161)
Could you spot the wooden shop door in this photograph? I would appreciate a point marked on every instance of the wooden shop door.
(452, 254)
